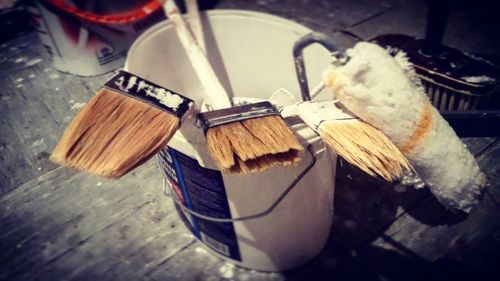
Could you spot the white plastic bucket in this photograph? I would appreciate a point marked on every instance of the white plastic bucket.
(254, 60)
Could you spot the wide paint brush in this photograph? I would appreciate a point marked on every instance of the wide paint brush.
(240, 139)
(123, 125)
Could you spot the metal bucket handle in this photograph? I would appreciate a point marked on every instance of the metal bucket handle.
(300, 67)
(275, 204)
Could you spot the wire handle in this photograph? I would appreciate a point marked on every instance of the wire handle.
(300, 67)
(169, 193)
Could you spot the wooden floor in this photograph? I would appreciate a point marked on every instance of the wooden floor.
(57, 224)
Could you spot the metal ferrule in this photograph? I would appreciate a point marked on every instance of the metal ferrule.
(219, 117)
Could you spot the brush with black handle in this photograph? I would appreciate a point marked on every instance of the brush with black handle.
(122, 126)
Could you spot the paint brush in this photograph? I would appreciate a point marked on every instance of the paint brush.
(354, 140)
(122, 126)
(240, 139)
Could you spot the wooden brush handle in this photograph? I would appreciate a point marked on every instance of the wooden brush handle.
(218, 96)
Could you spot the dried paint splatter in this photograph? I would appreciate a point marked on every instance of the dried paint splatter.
(227, 271)
(77, 106)
(33, 62)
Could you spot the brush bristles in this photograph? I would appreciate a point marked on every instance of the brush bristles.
(365, 147)
(113, 134)
(253, 145)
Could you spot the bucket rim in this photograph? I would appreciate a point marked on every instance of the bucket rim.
(166, 24)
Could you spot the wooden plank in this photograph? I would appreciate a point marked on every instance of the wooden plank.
(488, 160)
(478, 145)
(389, 260)
(335, 14)
(407, 17)
(365, 206)
(472, 27)
(62, 221)
(469, 27)
(437, 236)
(37, 102)
(323, 16)
(127, 250)
(20, 53)
(295, 13)
(195, 263)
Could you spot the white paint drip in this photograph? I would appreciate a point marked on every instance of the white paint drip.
(20, 60)
(32, 75)
(164, 96)
(19, 85)
(38, 142)
(78, 105)
(478, 79)
(19, 80)
(200, 250)
(33, 62)
(227, 271)
(54, 75)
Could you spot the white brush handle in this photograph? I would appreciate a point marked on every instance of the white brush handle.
(218, 95)
(314, 113)
(195, 23)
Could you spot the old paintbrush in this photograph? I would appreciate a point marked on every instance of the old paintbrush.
(123, 125)
(354, 140)
(240, 139)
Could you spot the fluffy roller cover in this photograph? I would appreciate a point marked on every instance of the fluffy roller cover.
(385, 92)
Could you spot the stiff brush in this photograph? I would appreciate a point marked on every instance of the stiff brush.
(240, 139)
(122, 126)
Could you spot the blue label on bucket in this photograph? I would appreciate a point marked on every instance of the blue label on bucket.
(201, 190)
